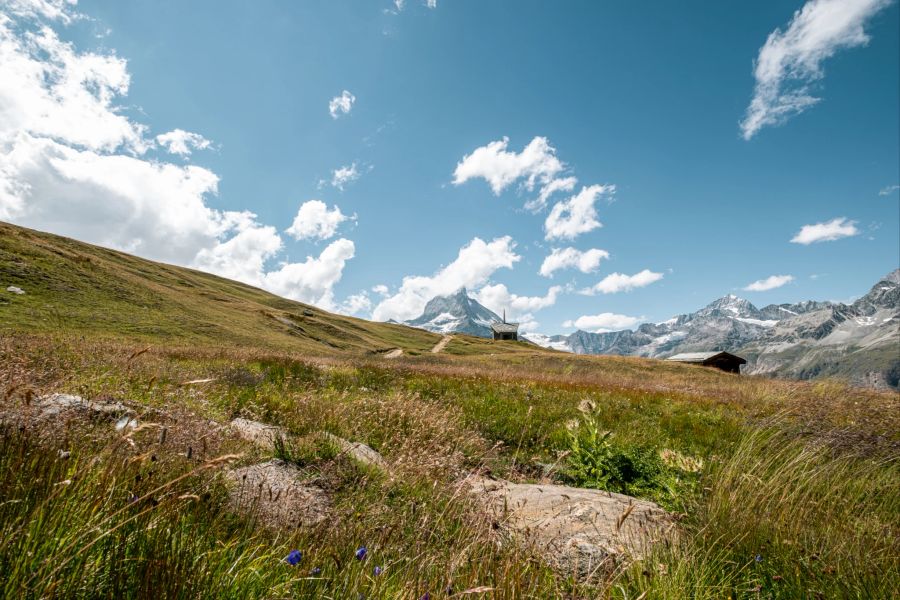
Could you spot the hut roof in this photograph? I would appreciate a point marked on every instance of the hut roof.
(702, 357)
(505, 327)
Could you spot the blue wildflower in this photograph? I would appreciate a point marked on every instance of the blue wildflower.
(425, 596)
(294, 557)
(758, 558)
(378, 571)
(361, 553)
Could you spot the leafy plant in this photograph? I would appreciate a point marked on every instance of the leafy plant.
(595, 460)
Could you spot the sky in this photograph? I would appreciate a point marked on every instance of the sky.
(578, 164)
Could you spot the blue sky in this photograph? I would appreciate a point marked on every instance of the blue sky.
(647, 102)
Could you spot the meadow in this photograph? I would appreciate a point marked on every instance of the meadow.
(782, 489)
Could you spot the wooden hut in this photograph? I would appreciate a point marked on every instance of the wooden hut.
(504, 330)
(720, 360)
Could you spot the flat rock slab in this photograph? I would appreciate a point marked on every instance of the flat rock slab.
(265, 437)
(275, 493)
(55, 405)
(357, 451)
(587, 533)
(261, 434)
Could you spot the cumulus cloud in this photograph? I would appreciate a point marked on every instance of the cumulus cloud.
(356, 304)
(474, 264)
(53, 10)
(572, 258)
(72, 163)
(619, 282)
(315, 221)
(313, 280)
(535, 164)
(604, 322)
(769, 283)
(341, 105)
(179, 141)
(790, 61)
(564, 184)
(381, 289)
(572, 217)
(834, 229)
(498, 298)
(344, 175)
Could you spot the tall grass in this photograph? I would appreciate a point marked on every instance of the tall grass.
(787, 518)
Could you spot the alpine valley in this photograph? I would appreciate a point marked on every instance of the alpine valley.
(859, 342)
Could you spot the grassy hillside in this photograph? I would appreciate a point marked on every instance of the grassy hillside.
(781, 489)
(79, 288)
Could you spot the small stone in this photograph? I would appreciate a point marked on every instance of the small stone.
(15, 290)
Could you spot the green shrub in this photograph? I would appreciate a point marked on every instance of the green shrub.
(596, 460)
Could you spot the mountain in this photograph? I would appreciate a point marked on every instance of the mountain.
(456, 313)
(859, 342)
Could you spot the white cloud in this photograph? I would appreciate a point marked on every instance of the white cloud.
(619, 282)
(769, 283)
(791, 61)
(72, 163)
(313, 280)
(431, 3)
(887, 190)
(315, 221)
(53, 10)
(570, 218)
(474, 264)
(381, 289)
(565, 184)
(179, 141)
(341, 105)
(569, 258)
(536, 164)
(399, 4)
(344, 175)
(834, 229)
(356, 304)
(604, 322)
(498, 298)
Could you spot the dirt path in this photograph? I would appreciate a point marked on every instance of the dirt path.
(394, 353)
(439, 347)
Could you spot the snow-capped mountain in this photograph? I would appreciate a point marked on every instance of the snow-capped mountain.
(456, 313)
(809, 339)
(859, 341)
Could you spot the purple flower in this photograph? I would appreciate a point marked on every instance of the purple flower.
(425, 596)
(315, 571)
(378, 571)
(361, 553)
(758, 558)
(294, 557)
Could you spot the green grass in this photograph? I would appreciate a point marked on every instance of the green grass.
(782, 489)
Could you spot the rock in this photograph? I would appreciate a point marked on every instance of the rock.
(264, 436)
(586, 533)
(15, 290)
(357, 451)
(275, 494)
(55, 405)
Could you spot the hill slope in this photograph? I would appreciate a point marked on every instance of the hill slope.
(81, 288)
